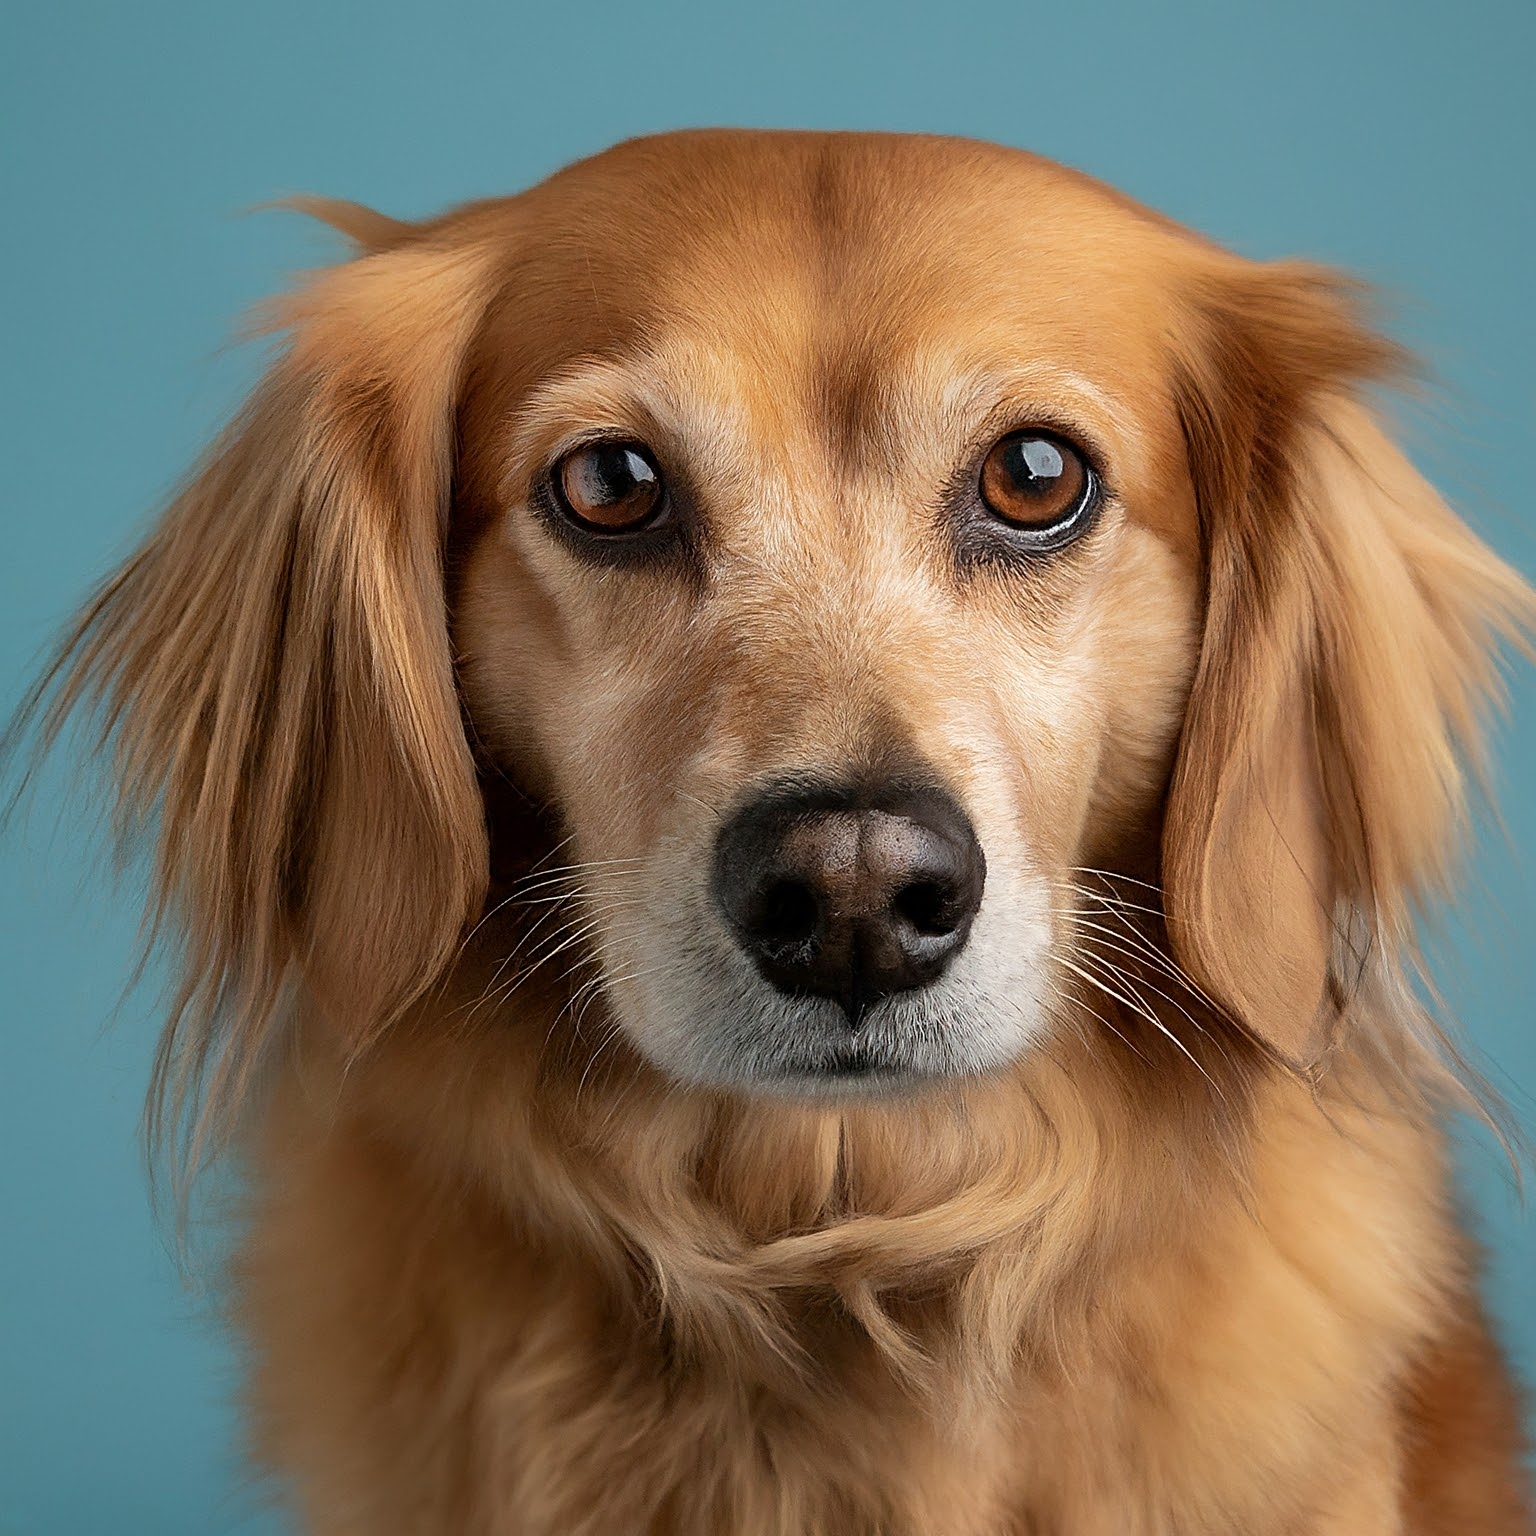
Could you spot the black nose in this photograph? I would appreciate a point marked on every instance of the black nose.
(849, 895)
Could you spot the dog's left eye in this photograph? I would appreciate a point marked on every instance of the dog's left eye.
(1040, 486)
(610, 488)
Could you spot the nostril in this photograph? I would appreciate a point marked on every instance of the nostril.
(929, 906)
(787, 913)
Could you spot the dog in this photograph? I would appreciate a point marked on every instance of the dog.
(791, 776)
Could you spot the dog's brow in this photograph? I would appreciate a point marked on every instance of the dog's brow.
(955, 395)
(594, 392)
(644, 392)
(968, 394)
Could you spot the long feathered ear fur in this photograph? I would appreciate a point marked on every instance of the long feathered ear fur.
(1349, 656)
(271, 673)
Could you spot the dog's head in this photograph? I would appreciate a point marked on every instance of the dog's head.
(860, 545)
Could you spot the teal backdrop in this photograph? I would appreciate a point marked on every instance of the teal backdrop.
(1394, 138)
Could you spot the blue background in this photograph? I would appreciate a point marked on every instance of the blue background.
(1393, 138)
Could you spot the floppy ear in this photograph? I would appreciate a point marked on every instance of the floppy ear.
(1349, 651)
(272, 672)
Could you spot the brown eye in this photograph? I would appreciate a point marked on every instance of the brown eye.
(610, 487)
(1040, 485)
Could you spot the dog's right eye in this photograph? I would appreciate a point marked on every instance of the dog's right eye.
(610, 488)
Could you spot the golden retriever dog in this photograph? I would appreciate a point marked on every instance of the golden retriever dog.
(792, 775)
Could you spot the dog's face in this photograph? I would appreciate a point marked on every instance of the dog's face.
(855, 542)
(836, 578)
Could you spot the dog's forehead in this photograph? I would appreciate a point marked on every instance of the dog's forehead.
(835, 288)
(858, 247)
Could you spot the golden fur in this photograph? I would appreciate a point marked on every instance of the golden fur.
(429, 794)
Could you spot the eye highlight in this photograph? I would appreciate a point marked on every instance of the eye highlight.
(609, 488)
(1040, 487)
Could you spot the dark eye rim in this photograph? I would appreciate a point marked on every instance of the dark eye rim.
(1066, 529)
(668, 540)
(983, 538)
(552, 492)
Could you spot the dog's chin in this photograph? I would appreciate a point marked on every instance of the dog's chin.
(805, 1049)
(847, 1071)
